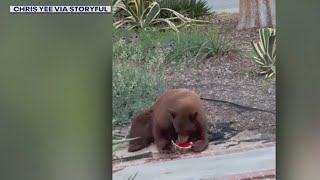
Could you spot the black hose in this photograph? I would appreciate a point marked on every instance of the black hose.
(238, 105)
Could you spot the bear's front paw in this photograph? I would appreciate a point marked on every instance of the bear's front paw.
(164, 146)
(165, 151)
(199, 146)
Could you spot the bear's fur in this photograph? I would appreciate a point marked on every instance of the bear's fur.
(177, 114)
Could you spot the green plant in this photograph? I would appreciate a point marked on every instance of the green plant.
(117, 141)
(199, 46)
(190, 8)
(134, 89)
(115, 144)
(126, 48)
(215, 44)
(133, 177)
(142, 14)
(265, 52)
(148, 47)
(184, 49)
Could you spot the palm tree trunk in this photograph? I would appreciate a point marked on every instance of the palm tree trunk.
(257, 13)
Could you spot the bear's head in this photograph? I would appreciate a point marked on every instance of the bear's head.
(184, 123)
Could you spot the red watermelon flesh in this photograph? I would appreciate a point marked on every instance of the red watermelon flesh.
(185, 145)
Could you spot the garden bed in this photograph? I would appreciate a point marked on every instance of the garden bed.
(233, 78)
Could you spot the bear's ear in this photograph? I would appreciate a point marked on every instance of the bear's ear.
(172, 114)
(193, 116)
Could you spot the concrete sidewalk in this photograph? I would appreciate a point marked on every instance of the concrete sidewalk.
(203, 167)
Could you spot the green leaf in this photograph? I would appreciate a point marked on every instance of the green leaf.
(132, 178)
(171, 25)
(265, 51)
(257, 50)
(272, 45)
(154, 10)
(126, 2)
(115, 142)
(138, 5)
(133, 13)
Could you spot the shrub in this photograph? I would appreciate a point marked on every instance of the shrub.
(134, 89)
(190, 8)
(215, 44)
(197, 46)
(265, 52)
(184, 48)
(115, 144)
(127, 48)
(148, 47)
(143, 15)
(156, 48)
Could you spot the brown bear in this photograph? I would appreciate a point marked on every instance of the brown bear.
(177, 114)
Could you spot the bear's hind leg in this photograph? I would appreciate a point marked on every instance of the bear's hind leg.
(141, 129)
(138, 144)
(135, 147)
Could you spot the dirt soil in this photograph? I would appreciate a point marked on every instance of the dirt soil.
(234, 80)
(228, 79)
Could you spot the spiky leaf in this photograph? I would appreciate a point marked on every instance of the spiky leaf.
(265, 51)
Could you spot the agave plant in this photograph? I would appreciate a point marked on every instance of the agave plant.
(120, 141)
(142, 14)
(265, 52)
(194, 8)
(133, 177)
(116, 142)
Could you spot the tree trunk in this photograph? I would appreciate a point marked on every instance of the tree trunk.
(257, 13)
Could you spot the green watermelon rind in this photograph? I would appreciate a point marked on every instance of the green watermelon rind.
(181, 149)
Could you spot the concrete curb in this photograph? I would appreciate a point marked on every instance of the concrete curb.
(267, 174)
(211, 152)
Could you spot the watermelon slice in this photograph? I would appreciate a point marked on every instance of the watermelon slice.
(183, 147)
